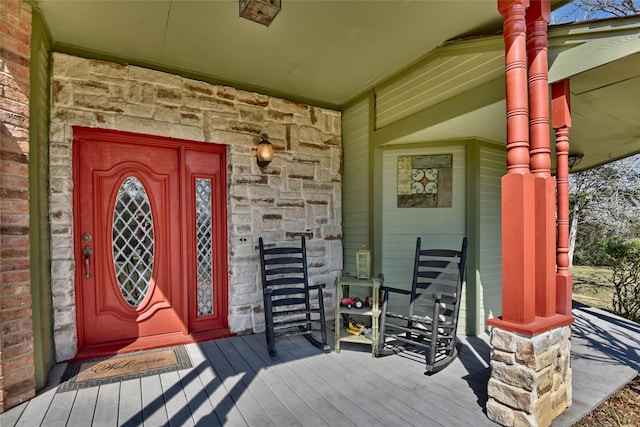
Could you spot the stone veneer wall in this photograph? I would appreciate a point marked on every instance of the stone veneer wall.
(298, 194)
(17, 380)
(530, 382)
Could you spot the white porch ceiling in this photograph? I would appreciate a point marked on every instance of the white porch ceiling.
(326, 52)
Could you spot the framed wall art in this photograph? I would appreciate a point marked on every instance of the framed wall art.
(425, 181)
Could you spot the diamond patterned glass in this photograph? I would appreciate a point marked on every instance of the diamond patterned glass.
(204, 250)
(133, 242)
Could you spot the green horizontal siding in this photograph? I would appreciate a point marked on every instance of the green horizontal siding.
(438, 227)
(355, 181)
(492, 168)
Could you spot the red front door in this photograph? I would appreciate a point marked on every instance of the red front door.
(150, 241)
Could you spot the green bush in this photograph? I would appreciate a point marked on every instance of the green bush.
(589, 249)
(623, 255)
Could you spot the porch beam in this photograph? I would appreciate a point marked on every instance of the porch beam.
(579, 59)
(475, 99)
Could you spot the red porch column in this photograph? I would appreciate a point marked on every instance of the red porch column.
(528, 190)
(561, 107)
(518, 233)
(540, 159)
(530, 381)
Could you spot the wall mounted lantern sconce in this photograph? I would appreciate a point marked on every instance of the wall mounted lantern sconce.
(265, 151)
(260, 11)
(574, 159)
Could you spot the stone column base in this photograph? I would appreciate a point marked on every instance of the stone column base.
(530, 382)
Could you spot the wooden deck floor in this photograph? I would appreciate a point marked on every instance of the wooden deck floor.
(234, 382)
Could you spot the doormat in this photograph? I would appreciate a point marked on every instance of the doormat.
(122, 367)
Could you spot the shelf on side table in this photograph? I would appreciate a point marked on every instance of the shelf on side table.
(369, 287)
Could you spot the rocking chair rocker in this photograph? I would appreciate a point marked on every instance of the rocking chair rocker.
(287, 303)
(431, 321)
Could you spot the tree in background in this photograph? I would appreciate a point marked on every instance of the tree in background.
(605, 202)
(623, 255)
(605, 226)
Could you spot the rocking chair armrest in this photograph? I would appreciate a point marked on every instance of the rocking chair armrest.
(446, 299)
(318, 287)
(386, 289)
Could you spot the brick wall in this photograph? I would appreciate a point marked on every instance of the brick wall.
(298, 194)
(17, 382)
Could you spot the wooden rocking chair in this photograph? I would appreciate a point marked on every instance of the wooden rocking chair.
(431, 321)
(287, 306)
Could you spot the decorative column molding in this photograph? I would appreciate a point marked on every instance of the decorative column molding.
(561, 106)
(537, 46)
(538, 16)
(515, 36)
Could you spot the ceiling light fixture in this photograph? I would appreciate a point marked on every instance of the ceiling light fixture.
(260, 11)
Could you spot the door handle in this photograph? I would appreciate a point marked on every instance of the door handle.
(87, 252)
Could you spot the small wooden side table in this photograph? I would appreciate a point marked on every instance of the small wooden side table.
(350, 286)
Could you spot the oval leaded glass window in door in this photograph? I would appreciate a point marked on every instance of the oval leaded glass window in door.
(133, 241)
